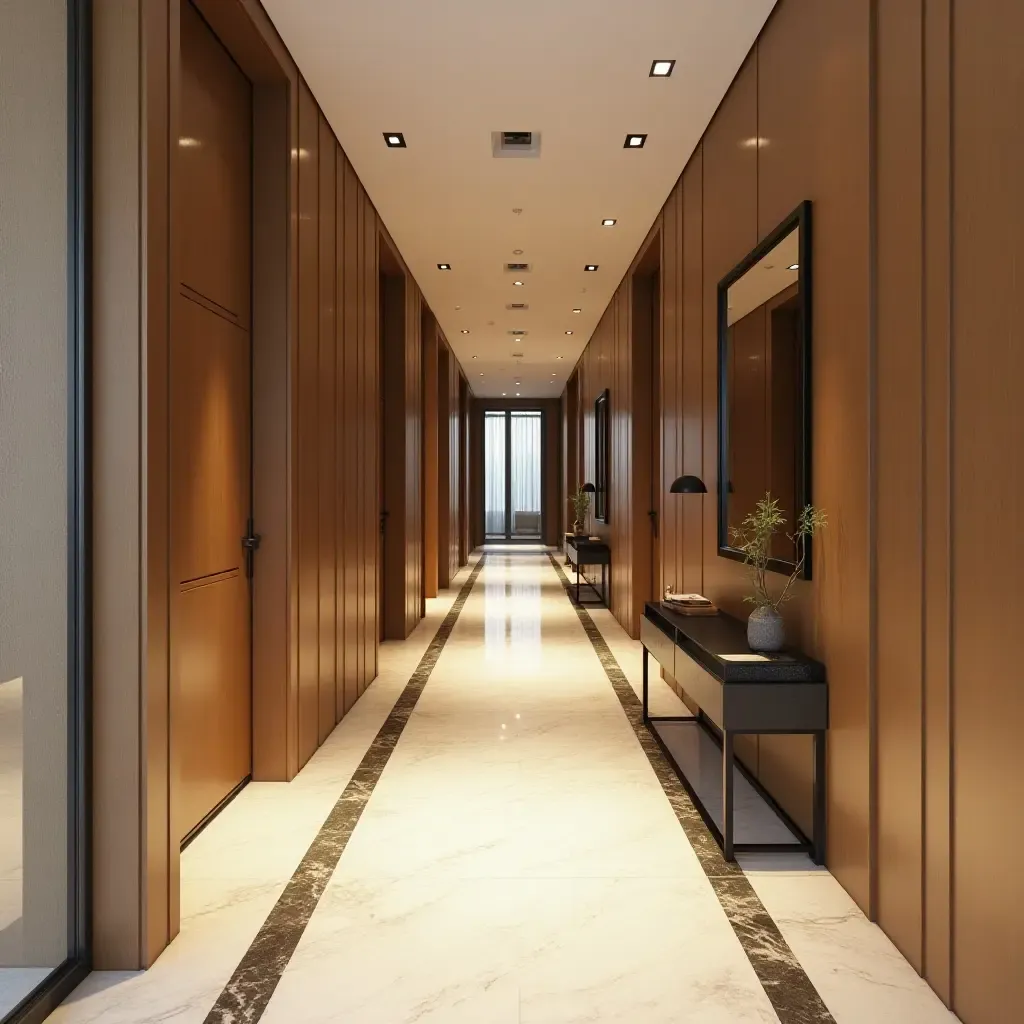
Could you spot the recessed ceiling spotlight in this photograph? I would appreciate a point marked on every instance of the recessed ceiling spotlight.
(635, 141)
(795, 266)
(444, 266)
(517, 394)
(481, 374)
(517, 252)
(554, 375)
(577, 310)
(568, 332)
(662, 68)
(464, 331)
(394, 140)
(458, 307)
(518, 284)
(559, 357)
(504, 394)
(608, 222)
(590, 267)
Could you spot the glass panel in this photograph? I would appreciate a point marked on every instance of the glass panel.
(526, 505)
(35, 910)
(494, 475)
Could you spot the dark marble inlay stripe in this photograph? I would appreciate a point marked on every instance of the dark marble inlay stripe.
(791, 992)
(246, 995)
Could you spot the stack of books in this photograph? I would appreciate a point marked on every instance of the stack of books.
(690, 604)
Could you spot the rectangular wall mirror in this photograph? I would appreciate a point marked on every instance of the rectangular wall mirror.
(764, 401)
(602, 437)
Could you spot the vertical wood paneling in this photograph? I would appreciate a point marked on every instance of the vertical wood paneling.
(326, 433)
(899, 477)
(672, 406)
(307, 427)
(353, 225)
(442, 417)
(369, 447)
(354, 579)
(937, 307)
(987, 508)
(345, 312)
(430, 355)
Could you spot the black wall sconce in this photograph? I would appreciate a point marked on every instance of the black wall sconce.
(688, 485)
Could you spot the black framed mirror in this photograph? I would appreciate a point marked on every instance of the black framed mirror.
(602, 438)
(764, 386)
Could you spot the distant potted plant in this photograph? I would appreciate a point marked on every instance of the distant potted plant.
(580, 507)
(765, 627)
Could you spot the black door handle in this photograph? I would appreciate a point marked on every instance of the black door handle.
(251, 544)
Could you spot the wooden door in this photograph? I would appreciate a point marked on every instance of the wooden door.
(210, 432)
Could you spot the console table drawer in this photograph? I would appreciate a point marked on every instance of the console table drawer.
(659, 646)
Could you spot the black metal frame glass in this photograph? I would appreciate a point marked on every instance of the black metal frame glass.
(602, 439)
(45, 998)
(799, 218)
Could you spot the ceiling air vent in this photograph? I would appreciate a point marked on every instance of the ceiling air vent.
(517, 305)
(515, 144)
(517, 355)
(517, 268)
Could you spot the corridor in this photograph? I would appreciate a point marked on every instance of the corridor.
(486, 838)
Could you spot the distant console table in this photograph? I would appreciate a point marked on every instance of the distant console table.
(580, 551)
(738, 692)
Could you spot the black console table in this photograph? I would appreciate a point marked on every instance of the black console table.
(738, 691)
(582, 551)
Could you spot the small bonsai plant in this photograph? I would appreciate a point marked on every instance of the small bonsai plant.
(754, 538)
(580, 507)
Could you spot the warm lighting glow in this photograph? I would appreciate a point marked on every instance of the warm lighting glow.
(577, 310)
(187, 142)
(756, 142)
(568, 332)
(608, 222)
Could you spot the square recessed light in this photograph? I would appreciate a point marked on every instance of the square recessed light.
(464, 331)
(444, 266)
(662, 68)
(394, 140)
(795, 266)
(577, 310)
(518, 284)
(590, 268)
(558, 357)
(568, 332)
(608, 222)
(517, 394)
(635, 141)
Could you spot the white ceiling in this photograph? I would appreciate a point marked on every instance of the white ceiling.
(448, 73)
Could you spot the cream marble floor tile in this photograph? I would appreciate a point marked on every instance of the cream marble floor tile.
(529, 951)
(861, 975)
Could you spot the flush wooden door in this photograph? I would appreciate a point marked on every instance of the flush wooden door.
(210, 431)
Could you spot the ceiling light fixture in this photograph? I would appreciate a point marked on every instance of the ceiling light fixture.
(662, 68)
(517, 394)
(590, 267)
(517, 252)
(577, 310)
(635, 141)
(568, 332)
(518, 284)
(464, 331)
(481, 374)
(504, 394)
(608, 222)
(795, 266)
(444, 266)
(394, 140)
(559, 357)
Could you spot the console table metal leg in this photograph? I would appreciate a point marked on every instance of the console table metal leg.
(727, 795)
(818, 837)
(644, 656)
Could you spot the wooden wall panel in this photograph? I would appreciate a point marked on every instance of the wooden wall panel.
(987, 508)
(307, 427)
(369, 440)
(430, 355)
(326, 431)
(899, 484)
(442, 418)
(355, 653)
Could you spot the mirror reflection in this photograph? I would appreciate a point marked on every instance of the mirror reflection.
(762, 362)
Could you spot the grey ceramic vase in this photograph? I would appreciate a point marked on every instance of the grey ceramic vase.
(765, 630)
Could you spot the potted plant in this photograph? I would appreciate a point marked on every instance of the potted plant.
(580, 507)
(765, 628)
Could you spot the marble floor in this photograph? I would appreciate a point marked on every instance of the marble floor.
(490, 837)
